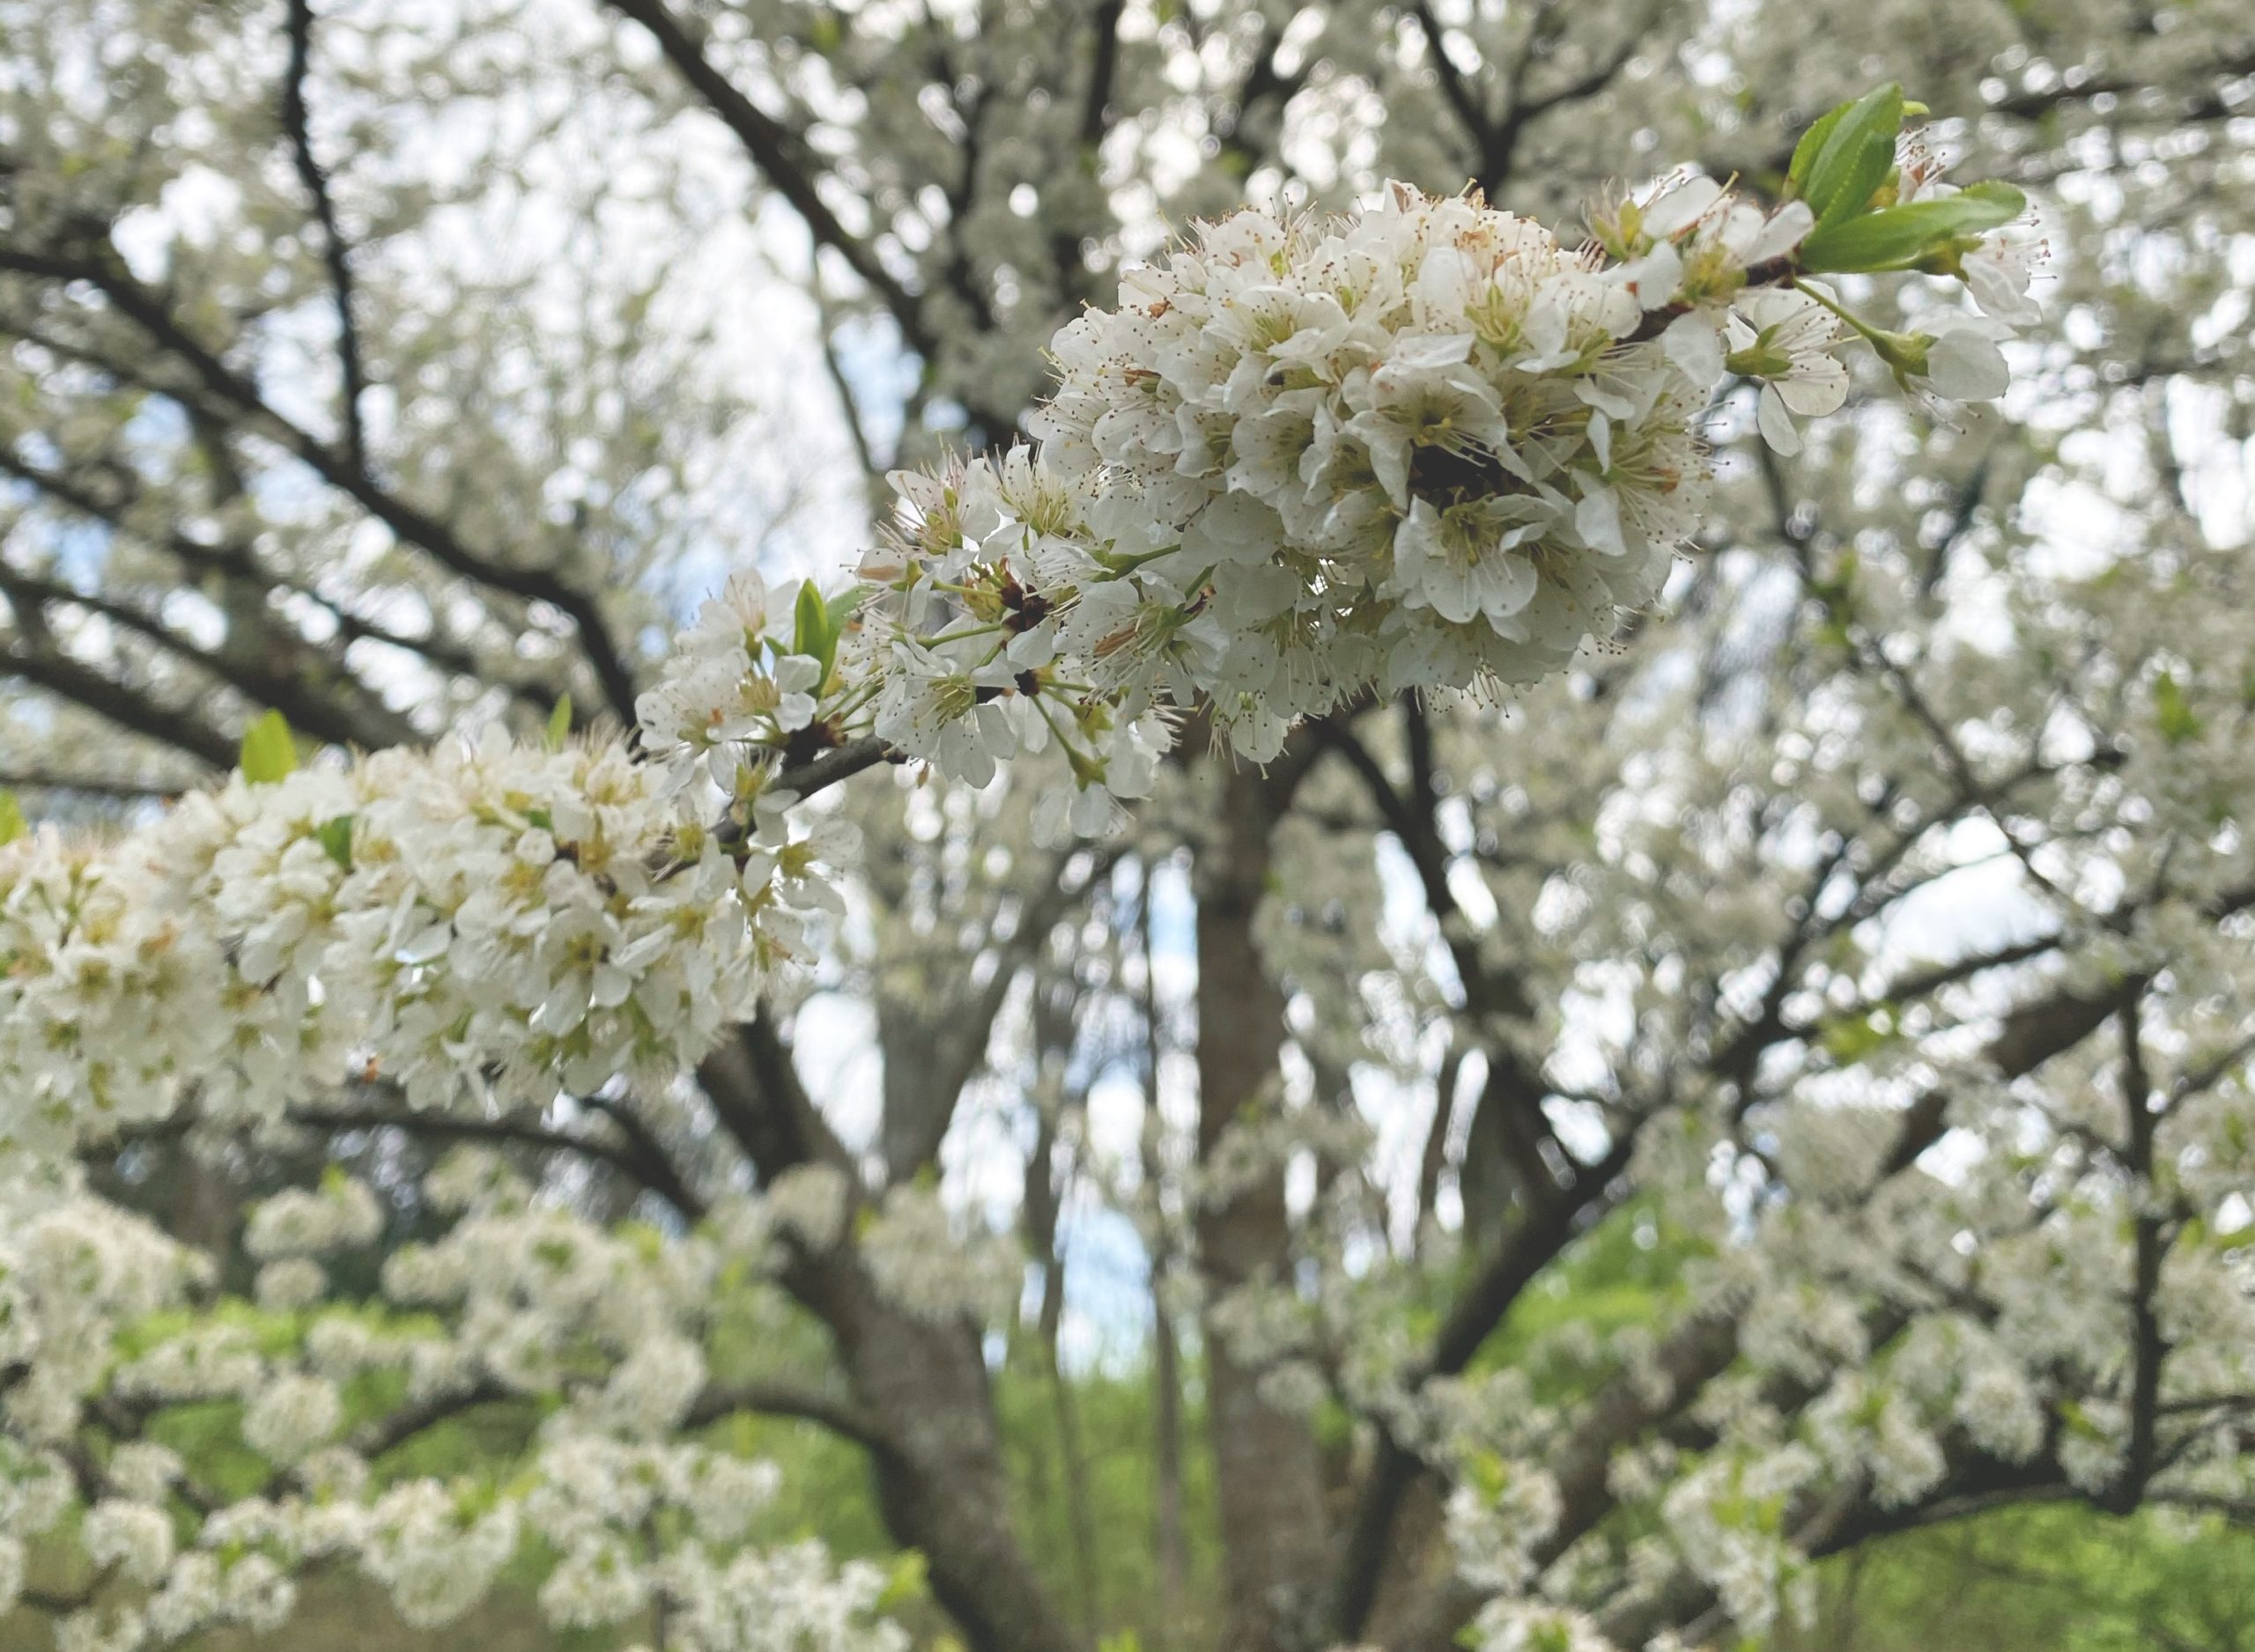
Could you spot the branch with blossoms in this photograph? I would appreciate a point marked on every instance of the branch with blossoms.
(1429, 446)
(598, 1344)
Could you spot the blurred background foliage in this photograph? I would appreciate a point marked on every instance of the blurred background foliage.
(2019, 1579)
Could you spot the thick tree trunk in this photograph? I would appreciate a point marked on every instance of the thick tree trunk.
(941, 1483)
(1268, 1468)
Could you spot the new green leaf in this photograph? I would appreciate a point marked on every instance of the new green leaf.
(840, 609)
(2173, 711)
(811, 622)
(269, 750)
(1855, 156)
(1897, 238)
(335, 839)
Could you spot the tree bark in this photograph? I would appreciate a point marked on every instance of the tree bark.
(1268, 1468)
(941, 1483)
(1170, 1539)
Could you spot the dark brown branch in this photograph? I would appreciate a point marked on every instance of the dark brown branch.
(1500, 147)
(833, 766)
(784, 158)
(953, 1051)
(1095, 101)
(783, 1399)
(235, 562)
(1265, 84)
(388, 1433)
(648, 1152)
(2148, 1347)
(297, 122)
(1453, 84)
(755, 1094)
(128, 708)
(656, 1174)
(365, 721)
(1472, 1318)
(88, 786)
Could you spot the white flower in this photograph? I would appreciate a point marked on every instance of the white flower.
(144, 1470)
(437, 1559)
(1465, 562)
(917, 1259)
(291, 1417)
(300, 1222)
(598, 1582)
(1963, 362)
(258, 1594)
(725, 1493)
(1528, 1627)
(11, 1573)
(1786, 340)
(1303, 459)
(134, 1537)
(1997, 274)
(652, 1389)
(102, 1629)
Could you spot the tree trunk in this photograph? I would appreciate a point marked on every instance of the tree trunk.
(1170, 1539)
(1268, 1469)
(941, 1483)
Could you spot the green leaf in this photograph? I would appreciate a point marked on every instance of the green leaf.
(269, 750)
(811, 622)
(336, 838)
(1855, 156)
(839, 609)
(1812, 141)
(906, 1580)
(559, 723)
(1850, 1039)
(2173, 711)
(12, 824)
(1897, 238)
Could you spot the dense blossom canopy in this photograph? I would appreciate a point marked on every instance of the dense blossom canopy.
(1422, 448)
(1511, 752)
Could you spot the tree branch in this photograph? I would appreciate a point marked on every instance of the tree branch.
(784, 158)
(128, 708)
(362, 721)
(654, 1173)
(783, 1399)
(230, 390)
(296, 121)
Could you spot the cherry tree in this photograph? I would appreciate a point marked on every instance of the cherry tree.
(1648, 745)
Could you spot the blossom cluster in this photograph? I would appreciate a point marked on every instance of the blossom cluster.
(490, 915)
(625, 1516)
(1428, 445)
